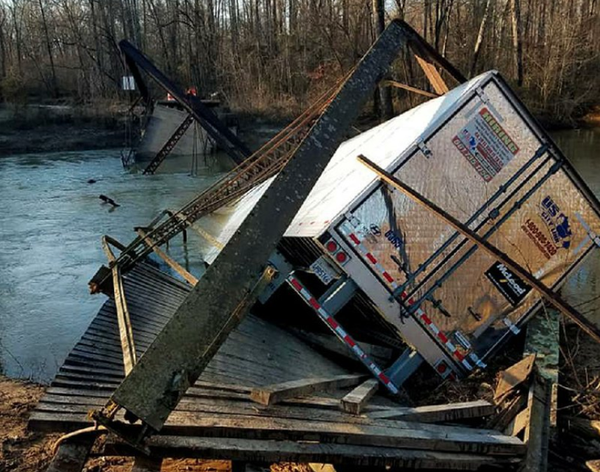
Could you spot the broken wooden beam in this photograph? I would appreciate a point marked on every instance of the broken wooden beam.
(172, 263)
(290, 451)
(408, 88)
(438, 413)
(537, 431)
(514, 376)
(593, 466)
(432, 74)
(384, 433)
(519, 423)
(271, 394)
(355, 401)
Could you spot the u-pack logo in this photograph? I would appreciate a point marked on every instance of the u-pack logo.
(558, 230)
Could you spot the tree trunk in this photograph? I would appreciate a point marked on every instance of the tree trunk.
(517, 40)
(386, 107)
(479, 41)
(53, 84)
(2, 52)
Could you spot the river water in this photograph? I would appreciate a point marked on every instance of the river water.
(50, 229)
(52, 221)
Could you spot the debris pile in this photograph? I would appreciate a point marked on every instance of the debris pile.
(423, 245)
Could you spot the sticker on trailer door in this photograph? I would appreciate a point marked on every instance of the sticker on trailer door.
(485, 144)
(508, 283)
(556, 231)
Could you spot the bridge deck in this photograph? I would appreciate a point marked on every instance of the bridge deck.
(218, 420)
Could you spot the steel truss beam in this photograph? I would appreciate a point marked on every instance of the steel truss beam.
(228, 141)
(219, 301)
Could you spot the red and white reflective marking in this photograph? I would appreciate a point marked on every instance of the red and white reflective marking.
(342, 334)
(438, 333)
(356, 238)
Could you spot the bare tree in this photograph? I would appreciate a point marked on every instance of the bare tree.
(517, 41)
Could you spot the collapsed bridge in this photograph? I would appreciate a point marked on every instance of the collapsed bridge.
(458, 221)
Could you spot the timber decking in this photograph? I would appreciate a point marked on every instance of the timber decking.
(256, 354)
(217, 417)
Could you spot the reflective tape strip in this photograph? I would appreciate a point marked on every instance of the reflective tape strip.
(356, 239)
(352, 223)
(440, 335)
(514, 329)
(477, 360)
(342, 334)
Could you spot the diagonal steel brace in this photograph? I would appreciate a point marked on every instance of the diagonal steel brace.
(201, 324)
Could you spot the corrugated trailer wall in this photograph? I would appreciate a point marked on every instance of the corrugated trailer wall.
(488, 165)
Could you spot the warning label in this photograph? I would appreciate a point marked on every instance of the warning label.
(485, 144)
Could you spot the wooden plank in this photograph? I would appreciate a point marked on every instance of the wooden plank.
(125, 330)
(71, 455)
(247, 410)
(311, 402)
(168, 259)
(519, 423)
(502, 419)
(432, 74)
(399, 435)
(514, 376)
(296, 388)
(289, 451)
(146, 464)
(537, 432)
(356, 400)
(439, 413)
(593, 465)
(393, 83)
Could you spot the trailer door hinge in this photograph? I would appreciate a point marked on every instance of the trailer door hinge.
(482, 95)
(424, 149)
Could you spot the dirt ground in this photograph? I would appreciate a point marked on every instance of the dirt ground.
(20, 450)
(24, 451)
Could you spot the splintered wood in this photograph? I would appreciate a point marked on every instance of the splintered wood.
(514, 376)
(297, 388)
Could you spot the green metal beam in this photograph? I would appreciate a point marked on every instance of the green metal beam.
(212, 310)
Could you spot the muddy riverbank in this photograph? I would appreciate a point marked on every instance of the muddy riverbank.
(60, 128)
(25, 451)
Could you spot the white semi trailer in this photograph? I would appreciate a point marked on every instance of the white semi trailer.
(477, 153)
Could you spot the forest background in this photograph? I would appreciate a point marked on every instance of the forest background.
(272, 57)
